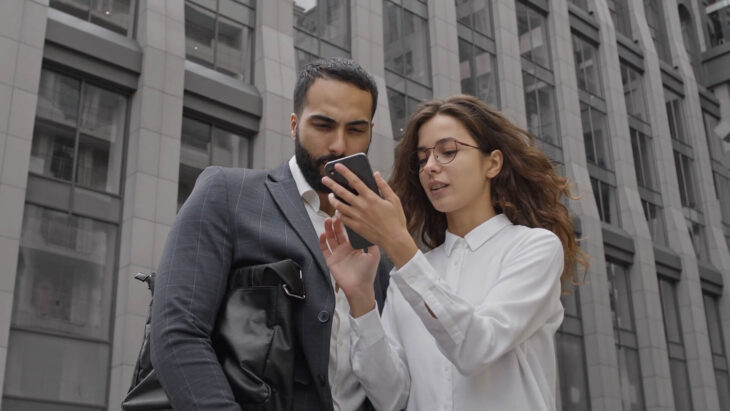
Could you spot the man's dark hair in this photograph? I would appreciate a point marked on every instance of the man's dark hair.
(337, 68)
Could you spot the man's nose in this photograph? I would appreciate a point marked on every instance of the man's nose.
(339, 143)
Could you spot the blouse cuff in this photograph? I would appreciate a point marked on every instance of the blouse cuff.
(366, 329)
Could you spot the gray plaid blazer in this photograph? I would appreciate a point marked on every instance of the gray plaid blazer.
(233, 218)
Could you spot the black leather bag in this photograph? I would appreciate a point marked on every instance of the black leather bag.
(254, 339)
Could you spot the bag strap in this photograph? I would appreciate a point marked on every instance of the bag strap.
(284, 272)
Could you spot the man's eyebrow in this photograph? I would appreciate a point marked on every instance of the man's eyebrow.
(358, 123)
(321, 117)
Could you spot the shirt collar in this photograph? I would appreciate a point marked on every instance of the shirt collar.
(306, 192)
(478, 235)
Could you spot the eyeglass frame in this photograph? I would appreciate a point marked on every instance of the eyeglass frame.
(416, 160)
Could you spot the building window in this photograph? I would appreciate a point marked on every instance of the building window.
(674, 114)
(644, 164)
(717, 346)
(60, 339)
(540, 109)
(583, 4)
(533, 39)
(586, 66)
(572, 367)
(606, 201)
(219, 35)
(321, 29)
(407, 60)
(115, 15)
(478, 72)
(476, 15)
(204, 144)
(657, 28)
(699, 241)
(655, 220)
(634, 93)
(675, 344)
(621, 16)
(79, 132)
(722, 188)
(624, 329)
(596, 142)
(685, 179)
(718, 21)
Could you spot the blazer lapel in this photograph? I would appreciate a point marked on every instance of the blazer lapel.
(284, 191)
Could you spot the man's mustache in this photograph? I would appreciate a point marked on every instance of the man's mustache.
(329, 157)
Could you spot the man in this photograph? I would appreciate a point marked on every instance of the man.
(238, 217)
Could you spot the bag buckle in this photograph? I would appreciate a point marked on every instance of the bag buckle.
(291, 294)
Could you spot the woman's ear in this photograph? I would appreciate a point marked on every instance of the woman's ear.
(495, 159)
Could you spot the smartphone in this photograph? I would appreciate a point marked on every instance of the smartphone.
(358, 164)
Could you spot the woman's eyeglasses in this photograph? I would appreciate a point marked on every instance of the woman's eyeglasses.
(444, 151)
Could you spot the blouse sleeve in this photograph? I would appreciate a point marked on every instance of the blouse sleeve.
(378, 359)
(522, 300)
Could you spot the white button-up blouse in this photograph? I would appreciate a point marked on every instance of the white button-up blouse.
(495, 294)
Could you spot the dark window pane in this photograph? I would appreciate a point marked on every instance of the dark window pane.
(477, 68)
(632, 395)
(65, 272)
(199, 35)
(335, 28)
(723, 389)
(233, 48)
(586, 67)
(397, 105)
(99, 162)
(670, 312)
(539, 105)
(531, 27)
(572, 372)
(52, 368)
(714, 326)
(58, 98)
(620, 14)
(620, 293)
(305, 15)
(52, 152)
(112, 14)
(633, 93)
(475, 14)
(78, 8)
(416, 62)
(680, 384)
(392, 44)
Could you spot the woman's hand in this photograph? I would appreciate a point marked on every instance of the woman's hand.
(354, 270)
(380, 220)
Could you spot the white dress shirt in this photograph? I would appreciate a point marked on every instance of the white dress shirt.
(495, 294)
(347, 393)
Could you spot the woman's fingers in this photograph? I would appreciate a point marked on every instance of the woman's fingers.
(353, 180)
(384, 188)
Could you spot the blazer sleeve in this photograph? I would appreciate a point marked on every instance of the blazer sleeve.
(191, 282)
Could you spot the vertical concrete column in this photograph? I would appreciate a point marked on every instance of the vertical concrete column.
(696, 336)
(603, 379)
(507, 42)
(151, 176)
(444, 48)
(22, 34)
(274, 77)
(644, 286)
(689, 291)
(367, 49)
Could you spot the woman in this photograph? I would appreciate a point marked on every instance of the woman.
(470, 324)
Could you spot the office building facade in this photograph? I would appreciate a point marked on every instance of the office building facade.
(109, 110)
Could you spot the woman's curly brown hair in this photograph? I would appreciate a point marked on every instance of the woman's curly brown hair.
(528, 190)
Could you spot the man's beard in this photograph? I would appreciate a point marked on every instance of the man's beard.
(310, 166)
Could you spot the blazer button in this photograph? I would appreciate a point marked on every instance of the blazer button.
(323, 316)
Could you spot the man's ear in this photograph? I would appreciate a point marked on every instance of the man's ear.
(293, 120)
(495, 160)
